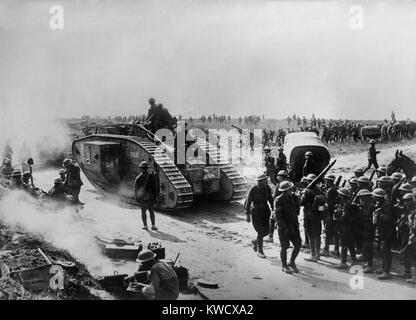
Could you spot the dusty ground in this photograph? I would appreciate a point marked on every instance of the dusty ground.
(213, 239)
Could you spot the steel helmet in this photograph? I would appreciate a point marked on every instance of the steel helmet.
(406, 187)
(66, 162)
(379, 193)
(143, 164)
(308, 153)
(282, 173)
(285, 185)
(359, 170)
(408, 196)
(280, 149)
(363, 193)
(145, 255)
(62, 171)
(363, 179)
(414, 179)
(396, 176)
(352, 180)
(372, 141)
(330, 177)
(384, 179)
(303, 180)
(311, 177)
(345, 192)
(261, 177)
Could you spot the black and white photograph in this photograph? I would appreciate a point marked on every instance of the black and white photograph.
(207, 150)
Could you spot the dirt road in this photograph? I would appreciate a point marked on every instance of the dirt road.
(214, 242)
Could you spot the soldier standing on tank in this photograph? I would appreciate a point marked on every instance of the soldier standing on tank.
(145, 191)
(73, 180)
(372, 155)
(270, 166)
(309, 166)
(384, 223)
(286, 213)
(259, 196)
(331, 234)
(346, 215)
(281, 161)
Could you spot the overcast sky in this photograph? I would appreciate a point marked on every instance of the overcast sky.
(229, 57)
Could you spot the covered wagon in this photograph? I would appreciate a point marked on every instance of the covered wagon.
(297, 144)
(372, 132)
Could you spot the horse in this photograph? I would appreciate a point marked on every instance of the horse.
(402, 162)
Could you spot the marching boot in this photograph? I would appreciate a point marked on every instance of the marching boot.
(254, 243)
(286, 269)
(342, 265)
(325, 252)
(384, 276)
(312, 258)
(293, 266)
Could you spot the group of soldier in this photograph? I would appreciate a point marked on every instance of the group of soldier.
(359, 217)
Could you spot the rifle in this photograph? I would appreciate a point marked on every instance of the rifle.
(344, 183)
(372, 174)
(240, 130)
(338, 181)
(328, 167)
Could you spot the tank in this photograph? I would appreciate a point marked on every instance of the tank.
(296, 144)
(111, 155)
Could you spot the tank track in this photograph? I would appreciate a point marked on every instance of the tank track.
(237, 180)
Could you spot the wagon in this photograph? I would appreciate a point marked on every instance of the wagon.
(373, 132)
(296, 144)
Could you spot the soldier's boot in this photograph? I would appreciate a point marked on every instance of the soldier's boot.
(261, 255)
(254, 243)
(312, 258)
(342, 265)
(325, 252)
(368, 269)
(384, 276)
(293, 266)
(286, 269)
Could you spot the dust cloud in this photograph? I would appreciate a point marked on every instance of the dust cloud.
(64, 229)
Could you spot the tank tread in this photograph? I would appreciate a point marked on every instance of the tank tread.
(227, 169)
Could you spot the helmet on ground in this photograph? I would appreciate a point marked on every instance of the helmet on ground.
(408, 196)
(406, 187)
(27, 174)
(311, 177)
(261, 177)
(58, 181)
(66, 162)
(308, 153)
(285, 185)
(144, 164)
(363, 193)
(363, 179)
(330, 177)
(282, 173)
(280, 149)
(372, 141)
(16, 173)
(344, 192)
(379, 193)
(396, 176)
(145, 255)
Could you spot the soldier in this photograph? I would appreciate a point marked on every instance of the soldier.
(282, 176)
(62, 174)
(73, 180)
(346, 216)
(16, 182)
(381, 171)
(384, 223)
(358, 172)
(331, 234)
(410, 248)
(385, 183)
(281, 161)
(57, 192)
(259, 195)
(372, 155)
(6, 170)
(312, 216)
(366, 227)
(145, 191)
(270, 166)
(397, 178)
(363, 183)
(407, 215)
(353, 184)
(309, 167)
(166, 120)
(153, 115)
(286, 212)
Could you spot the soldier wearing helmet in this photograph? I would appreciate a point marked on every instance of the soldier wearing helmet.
(286, 211)
(358, 172)
(73, 180)
(353, 184)
(282, 176)
(313, 210)
(381, 171)
(346, 216)
(331, 234)
(270, 165)
(366, 227)
(58, 192)
(146, 192)
(384, 223)
(281, 160)
(372, 155)
(309, 166)
(260, 197)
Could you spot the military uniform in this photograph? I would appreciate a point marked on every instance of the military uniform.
(260, 213)
(73, 181)
(367, 231)
(287, 208)
(270, 168)
(281, 162)
(372, 157)
(145, 191)
(6, 171)
(309, 167)
(331, 233)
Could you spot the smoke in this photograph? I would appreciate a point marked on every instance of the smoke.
(61, 228)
